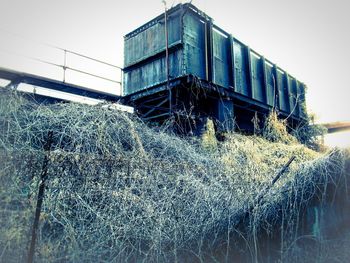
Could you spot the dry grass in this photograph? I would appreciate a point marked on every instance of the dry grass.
(275, 130)
(120, 191)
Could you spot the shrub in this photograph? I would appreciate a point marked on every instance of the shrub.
(120, 191)
(310, 134)
(275, 130)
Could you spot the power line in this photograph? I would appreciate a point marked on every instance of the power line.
(63, 66)
(58, 48)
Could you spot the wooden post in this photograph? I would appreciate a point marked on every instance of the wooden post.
(43, 177)
(284, 168)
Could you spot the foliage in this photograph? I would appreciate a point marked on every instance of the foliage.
(209, 141)
(120, 191)
(310, 134)
(275, 130)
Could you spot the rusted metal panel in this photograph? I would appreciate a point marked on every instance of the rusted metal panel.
(257, 77)
(221, 58)
(152, 73)
(302, 102)
(194, 46)
(271, 84)
(151, 40)
(241, 72)
(199, 48)
(282, 91)
(294, 96)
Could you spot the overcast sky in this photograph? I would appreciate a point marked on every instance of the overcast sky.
(308, 38)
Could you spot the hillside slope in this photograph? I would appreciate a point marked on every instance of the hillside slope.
(118, 190)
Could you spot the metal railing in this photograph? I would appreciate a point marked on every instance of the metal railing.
(64, 65)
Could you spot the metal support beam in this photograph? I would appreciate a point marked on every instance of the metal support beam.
(290, 107)
(13, 84)
(156, 116)
(250, 72)
(209, 50)
(265, 85)
(225, 115)
(276, 103)
(20, 77)
(232, 60)
(337, 126)
(167, 56)
(154, 108)
(152, 99)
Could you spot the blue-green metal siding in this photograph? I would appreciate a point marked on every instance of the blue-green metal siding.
(271, 84)
(221, 75)
(282, 91)
(294, 96)
(200, 48)
(241, 69)
(194, 46)
(151, 40)
(302, 100)
(152, 73)
(144, 59)
(258, 88)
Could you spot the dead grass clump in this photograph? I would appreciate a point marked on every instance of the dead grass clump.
(120, 191)
(310, 134)
(275, 130)
(209, 141)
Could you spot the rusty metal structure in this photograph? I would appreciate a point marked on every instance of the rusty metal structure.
(334, 127)
(16, 78)
(181, 66)
(211, 75)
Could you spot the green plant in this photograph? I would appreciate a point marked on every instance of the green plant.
(310, 134)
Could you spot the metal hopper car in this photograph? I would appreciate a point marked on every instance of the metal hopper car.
(181, 65)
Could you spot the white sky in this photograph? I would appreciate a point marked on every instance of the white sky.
(308, 38)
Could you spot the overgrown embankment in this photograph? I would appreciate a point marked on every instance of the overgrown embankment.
(120, 191)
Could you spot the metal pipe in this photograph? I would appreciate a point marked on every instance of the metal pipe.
(93, 59)
(64, 65)
(167, 55)
(92, 75)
